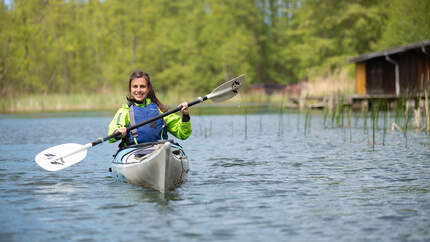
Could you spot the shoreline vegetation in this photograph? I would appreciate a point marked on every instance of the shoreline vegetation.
(338, 82)
(408, 114)
(80, 47)
(103, 102)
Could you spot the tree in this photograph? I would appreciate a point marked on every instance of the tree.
(407, 22)
(324, 34)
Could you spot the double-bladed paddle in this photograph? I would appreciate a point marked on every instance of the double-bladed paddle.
(65, 155)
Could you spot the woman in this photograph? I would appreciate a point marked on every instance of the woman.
(142, 105)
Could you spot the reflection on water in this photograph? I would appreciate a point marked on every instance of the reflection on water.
(247, 183)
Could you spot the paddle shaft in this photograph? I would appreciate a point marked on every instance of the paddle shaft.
(116, 133)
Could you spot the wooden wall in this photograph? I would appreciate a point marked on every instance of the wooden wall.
(360, 76)
(377, 75)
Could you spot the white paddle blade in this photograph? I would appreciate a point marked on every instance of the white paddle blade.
(227, 90)
(61, 156)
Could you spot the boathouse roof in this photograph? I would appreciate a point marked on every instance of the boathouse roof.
(404, 48)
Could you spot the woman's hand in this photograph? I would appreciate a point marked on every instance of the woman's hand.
(123, 131)
(184, 109)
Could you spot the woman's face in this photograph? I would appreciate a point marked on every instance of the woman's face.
(139, 89)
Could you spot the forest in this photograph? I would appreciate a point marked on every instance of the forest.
(91, 46)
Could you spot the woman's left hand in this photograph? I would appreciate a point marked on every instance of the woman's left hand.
(184, 109)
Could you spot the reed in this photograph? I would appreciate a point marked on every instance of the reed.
(406, 123)
(374, 117)
(344, 134)
(340, 112)
(338, 81)
(200, 129)
(365, 117)
(333, 117)
(400, 109)
(417, 114)
(337, 113)
(261, 124)
(386, 119)
(232, 127)
(325, 116)
(246, 124)
(280, 126)
(349, 124)
(206, 132)
(356, 116)
(281, 117)
(308, 119)
(365, 127)
(427, 112)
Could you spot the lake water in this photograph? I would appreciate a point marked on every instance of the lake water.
(258, 177)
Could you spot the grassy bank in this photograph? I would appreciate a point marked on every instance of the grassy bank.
(337, 82)
(112, 101)
(59, 102)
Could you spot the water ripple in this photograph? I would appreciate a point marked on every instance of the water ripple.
(322, 186)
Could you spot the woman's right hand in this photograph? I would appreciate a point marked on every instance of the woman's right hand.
(123, 131)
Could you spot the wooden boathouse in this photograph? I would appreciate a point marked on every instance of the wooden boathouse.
(392, 73)
(389, 75)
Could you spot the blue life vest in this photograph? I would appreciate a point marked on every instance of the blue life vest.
(151, 132)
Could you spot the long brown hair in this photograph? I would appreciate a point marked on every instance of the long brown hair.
(151, 94)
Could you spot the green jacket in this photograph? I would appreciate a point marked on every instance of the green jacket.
(179, 129)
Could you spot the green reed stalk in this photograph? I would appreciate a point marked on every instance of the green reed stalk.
(201, 129)
(365, 126)
(427, 112)
(305, 126)
(343, 115)
(385, 123)
(333, 117)
(400, 109)
(356, 119)
(349, 124)
(206, 130)
(326, 114)
(344, 134)
(281, 117)
(340, 113)
(246, 124)
(406, 124)
(261, 123)
(232, 126)
(279, 125)
(365, 121)
(374, 118)
(307, 121)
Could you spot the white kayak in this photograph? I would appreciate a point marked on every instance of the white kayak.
(160, 165)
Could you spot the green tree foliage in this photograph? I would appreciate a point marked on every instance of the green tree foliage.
(75, 46)
(324, 34)
(406, 22)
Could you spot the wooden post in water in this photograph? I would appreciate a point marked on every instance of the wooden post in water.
(417, 113)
